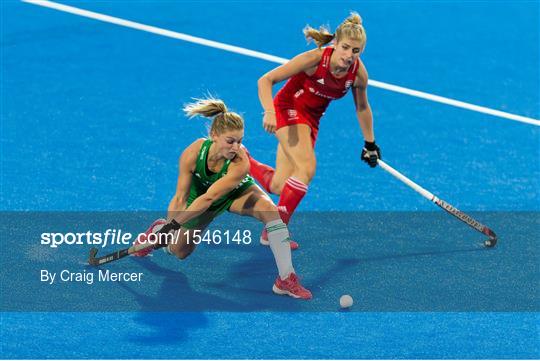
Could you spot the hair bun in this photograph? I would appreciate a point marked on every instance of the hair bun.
(354, 18)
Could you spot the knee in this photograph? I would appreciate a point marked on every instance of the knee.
(276, 186)
(267, 204)
(310, 172)
(181, 252)
(306, 170)
(265, 209)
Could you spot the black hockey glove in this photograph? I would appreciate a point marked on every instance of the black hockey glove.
(371, 153)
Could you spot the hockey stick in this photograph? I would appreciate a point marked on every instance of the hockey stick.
(491, 242)
(98, 261)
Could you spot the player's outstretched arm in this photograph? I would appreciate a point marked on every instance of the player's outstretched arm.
(370, 152)
(301, 62)
(236, 173)
(186, 167)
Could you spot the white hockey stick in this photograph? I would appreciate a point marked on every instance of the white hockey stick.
(491, 242)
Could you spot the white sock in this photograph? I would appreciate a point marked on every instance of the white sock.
(175, 236)
(167, 250)
(278, 236)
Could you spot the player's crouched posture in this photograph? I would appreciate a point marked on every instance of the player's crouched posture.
(214, 178)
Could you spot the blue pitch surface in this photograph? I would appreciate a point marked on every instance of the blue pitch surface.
(91, 121)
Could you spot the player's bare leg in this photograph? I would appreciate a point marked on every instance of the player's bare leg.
(183, 242)
(284, 169)
(297, 145)
(255, 203)
(295, 142)
(245, 203)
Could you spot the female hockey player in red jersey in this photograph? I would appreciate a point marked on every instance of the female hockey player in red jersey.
(315, 78)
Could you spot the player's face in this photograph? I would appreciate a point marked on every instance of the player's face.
(228, 143)
(347, 51)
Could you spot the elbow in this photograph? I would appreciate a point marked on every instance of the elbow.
(209, 198)
(362, 108)
(264, 80)
(177, 203)
(174, 204)
(260, 82)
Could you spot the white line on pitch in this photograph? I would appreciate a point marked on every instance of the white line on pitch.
(272, 58)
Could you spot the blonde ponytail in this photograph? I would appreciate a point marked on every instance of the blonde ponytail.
(222, 121)
(320, 37)
(350, 28)
(208, 107)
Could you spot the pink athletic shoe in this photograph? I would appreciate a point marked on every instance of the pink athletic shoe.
(154, 227)
(264, 241)
(291, 286)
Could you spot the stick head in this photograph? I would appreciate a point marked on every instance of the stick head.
(92, 259)
(491, 242)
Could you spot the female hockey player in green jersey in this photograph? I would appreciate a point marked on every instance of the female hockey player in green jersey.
(214, 178)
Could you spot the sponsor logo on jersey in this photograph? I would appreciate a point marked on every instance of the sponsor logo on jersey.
(298, 93)
(348, 84)
(245, 180)
(319, 94)
(203, 182)
(293, 114)
(322, 95)
(321, 81)
(325, 61)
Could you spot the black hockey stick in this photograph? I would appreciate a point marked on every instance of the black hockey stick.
(490, 242)
(98, 261)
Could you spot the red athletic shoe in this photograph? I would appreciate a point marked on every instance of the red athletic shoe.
(291, 286)
(264, 241)
(154, 227)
